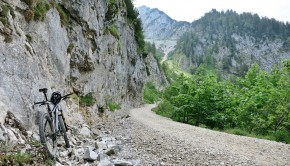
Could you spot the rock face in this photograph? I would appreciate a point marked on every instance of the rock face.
(80, 56)
(159, 26)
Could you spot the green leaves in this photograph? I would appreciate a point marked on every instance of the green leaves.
(259, 103)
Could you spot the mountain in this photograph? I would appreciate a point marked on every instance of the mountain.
(159, 26)
(226, 41)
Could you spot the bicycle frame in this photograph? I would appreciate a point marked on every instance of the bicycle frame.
(55, 113)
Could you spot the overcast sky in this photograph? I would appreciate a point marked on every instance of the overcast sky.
(190, 10)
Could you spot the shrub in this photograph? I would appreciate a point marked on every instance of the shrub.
(40, 10)
(87, 100)
(281, 136)
(29, 38)
(4, 21)
(151, 94)
(70, 48)
(113, 106)
(112, 9)
(165, 108)
(113, 30)
(132, 16)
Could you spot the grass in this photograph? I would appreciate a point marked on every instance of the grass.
(40, 10)
(279, 135)
(113, 30)
(15, 159)
(64, 15)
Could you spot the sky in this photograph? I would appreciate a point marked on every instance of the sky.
(190, 10)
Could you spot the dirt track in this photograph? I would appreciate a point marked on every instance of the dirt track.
(155, 140)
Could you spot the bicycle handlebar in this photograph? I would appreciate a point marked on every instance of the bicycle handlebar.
(41, 103)
(66, 96)
(47, 102)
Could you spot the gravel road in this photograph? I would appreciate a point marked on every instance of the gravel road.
(150, 139)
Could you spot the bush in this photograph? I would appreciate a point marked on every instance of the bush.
(87, 100)
(113, 30)
(132, 16)
(113, 106)
(40, 10)
(151, 94)
(112, 9)
(281, 136)
(29, 38)
(165, 108)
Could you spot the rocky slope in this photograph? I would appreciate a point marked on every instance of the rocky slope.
(68, 46)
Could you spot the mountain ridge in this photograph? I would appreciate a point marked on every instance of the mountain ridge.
(227, 41)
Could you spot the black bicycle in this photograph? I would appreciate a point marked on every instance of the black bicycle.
(52, 123)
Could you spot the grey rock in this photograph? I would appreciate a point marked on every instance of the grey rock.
(105, 162)
(101, 145)
(102, 156)
(122, 163)
(12, 137)
(85, 131)
(90, 155)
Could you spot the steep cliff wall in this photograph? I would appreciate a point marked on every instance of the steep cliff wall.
(71, 47)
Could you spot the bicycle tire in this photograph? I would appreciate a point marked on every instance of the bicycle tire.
(46, 133)
(63, 131)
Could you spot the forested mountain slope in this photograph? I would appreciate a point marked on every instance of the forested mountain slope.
(226, 41)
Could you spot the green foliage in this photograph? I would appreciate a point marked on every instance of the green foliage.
(245, 23)
(214, 33)
(70, 48)
(113, 106)
(165, 108)
(151, 94)
(255, 105)
(64, 14)
(29, 38)
(16, 159)
(40, 10)
(113, 30)
(87, 100)
(113, 9)
(132, 16)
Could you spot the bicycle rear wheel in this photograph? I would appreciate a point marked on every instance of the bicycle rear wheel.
(63, 131)
(46, 133)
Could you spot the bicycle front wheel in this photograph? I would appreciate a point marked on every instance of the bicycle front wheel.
(63, 131)
(46, 133)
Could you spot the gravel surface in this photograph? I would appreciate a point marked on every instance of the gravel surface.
(149, 139)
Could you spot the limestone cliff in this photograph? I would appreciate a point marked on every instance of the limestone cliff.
(76, 46)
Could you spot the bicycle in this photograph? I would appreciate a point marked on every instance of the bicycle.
(52, 123)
